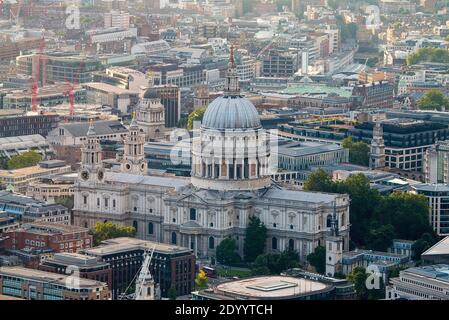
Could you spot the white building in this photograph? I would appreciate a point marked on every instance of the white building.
(119, 19)
(225, 189)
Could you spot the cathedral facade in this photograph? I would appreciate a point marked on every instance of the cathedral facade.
(230, 182)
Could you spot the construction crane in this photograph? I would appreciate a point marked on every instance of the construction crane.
(14, 13)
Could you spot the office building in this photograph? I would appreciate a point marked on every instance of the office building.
(16, 122)
(170, 97)
(420, 283)
(31, 284)
(436, 163)
(438, 197)
(46, 235)
(171, 265)
(87, 267)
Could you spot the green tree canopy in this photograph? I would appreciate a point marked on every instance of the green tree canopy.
(108, 230)
(275, 263)
(358, 151)
(381, 238)
(196, 115)
(319, 180)
(358, 277)
(433, 100)
(26, 159)
(226, 252)
(377, 219)
(318, 259)
(406, 212)
(428, 55)
(422, 244)
(255, 239)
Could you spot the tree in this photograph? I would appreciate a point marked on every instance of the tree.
(433, 100)
(196, 115)
(406, 212)
(201, 280)
(381, 238)
(26, 159)
(108, 230)
(358, 151)
(319, 180)
(255, 239)
(172, 294)
(318, 259)
(358, 278)
(225, 252)
(275, 263)
(422, 244)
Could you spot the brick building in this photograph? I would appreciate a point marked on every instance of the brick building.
(39, 235)
(171, 266)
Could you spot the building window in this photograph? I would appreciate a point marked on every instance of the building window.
(211, 243)
(85, 199)
(150, 228)
(135, 225)
(173, 237)
(98, 202)
(291, 245)
(274, 243)
(192, 214)
(106, 202)
(329, 221)
(113, 203)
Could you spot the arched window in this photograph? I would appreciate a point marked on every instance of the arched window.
(274, 243)
(329, 221)
(211, 243)
(291, 245)
(173, 237)
(135, 225)
(85, 224)
(343, 219)
(150, 228)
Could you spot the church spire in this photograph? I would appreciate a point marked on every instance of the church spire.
(91, 130)
(232, 87)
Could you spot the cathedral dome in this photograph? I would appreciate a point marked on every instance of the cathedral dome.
(231, 112)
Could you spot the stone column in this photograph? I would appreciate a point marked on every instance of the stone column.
(196, 245)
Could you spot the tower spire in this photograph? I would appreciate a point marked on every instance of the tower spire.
(232, 87)
(91, 130)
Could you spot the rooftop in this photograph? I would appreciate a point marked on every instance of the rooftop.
(108, 88)
(440, 248)
(317, 90)
(79, 129)
(270, 287)
(48, 277)
(124, 244)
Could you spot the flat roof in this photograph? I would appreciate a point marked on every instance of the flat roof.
(271, 287)
(317, 89)
(26, 171)
(122, 244)
(49, 277)
(108, 88)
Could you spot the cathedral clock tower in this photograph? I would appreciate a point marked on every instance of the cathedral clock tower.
(91, 165)
(134, 157)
